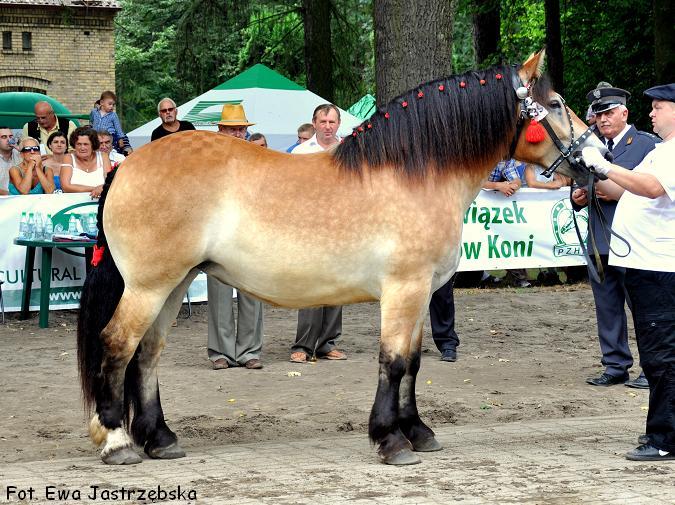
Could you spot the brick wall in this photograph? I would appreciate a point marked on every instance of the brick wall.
(72, 56)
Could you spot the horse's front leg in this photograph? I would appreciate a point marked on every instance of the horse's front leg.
(403, 307)
(420, 435)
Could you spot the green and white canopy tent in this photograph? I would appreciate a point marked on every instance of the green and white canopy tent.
(274, 103)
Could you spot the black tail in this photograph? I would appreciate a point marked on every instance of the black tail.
(101, 293)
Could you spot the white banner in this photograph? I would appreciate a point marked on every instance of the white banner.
(531, 229)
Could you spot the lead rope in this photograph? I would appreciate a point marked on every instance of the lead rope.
(596, 271)
(593, 201)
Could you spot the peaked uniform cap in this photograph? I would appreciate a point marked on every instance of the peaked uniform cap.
(663, 92)
(233, 115)
(606, 97)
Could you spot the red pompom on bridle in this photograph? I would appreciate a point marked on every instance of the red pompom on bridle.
(535, 132)
(97, 256)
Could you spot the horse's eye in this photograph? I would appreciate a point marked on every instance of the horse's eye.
(554, 105)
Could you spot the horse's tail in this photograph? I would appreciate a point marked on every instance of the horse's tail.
(101, 292)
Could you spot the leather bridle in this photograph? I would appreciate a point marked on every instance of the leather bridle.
(529, 109)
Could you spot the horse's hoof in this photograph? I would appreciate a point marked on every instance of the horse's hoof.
(172, 451)
(402, 457)
(123, 456)
(427, 445)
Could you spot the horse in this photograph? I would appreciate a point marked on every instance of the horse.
(377, 219)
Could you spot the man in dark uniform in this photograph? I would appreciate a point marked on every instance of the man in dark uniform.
(628, 147)
(442, 314)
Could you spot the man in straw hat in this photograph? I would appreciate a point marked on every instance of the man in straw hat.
(645, 217)
(225, 347)
(629, 147)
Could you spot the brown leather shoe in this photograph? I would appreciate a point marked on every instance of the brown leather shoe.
(334, 354)
(253, 364)
(298, 357)
(220, 364)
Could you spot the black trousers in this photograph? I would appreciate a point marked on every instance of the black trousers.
(653, 298)
(442, 315)
(610, 312)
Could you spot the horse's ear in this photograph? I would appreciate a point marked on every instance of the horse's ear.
(533, 66)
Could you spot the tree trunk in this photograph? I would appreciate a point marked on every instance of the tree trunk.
(486, 31)
(318, 48)
(413, 44)
(664, 42)
(554, 45)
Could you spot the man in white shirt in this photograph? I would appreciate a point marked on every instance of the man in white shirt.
(105, 142)
(645, 217)
(318, 328)
(9, 157)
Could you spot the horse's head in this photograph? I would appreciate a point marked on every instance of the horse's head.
(549, 133)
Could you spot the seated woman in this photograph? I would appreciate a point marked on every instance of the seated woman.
(84, 169)
(30, 177)
(58, 145)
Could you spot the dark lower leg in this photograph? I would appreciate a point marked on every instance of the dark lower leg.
(420, 435)
(383, 426)
(148, 429)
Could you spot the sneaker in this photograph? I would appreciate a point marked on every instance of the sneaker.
(648, 452)
(449, 355)
(523, 284)
(639, 383)
(607, 380)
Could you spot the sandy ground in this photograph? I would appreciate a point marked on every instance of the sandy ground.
(524, 355)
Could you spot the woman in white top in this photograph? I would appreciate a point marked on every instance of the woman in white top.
(85, 168)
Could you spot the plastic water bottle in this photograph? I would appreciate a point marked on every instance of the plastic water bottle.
(49, 228)
(72, 225)
(30, 228)
(92, 228)
(39, 227)
(23, 226)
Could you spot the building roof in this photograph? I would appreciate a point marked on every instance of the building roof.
(100, 4)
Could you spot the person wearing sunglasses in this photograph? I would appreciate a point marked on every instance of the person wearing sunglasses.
(168, 113)
(30, 177)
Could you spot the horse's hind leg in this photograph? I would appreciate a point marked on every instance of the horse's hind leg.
(420, 435)
(135, 313)
(148, 428)
(403, 307)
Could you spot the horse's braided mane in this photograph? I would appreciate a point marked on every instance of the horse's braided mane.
(437, 126)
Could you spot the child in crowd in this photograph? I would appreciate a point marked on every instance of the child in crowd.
(102, 117)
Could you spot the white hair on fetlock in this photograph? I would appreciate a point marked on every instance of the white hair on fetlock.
(97, 432)
(117, 439)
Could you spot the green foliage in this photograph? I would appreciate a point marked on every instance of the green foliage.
(144, 58)
(609, 40)
(209, 35)
(181, 48)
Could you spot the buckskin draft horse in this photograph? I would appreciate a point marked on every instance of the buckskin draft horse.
(379, 218)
